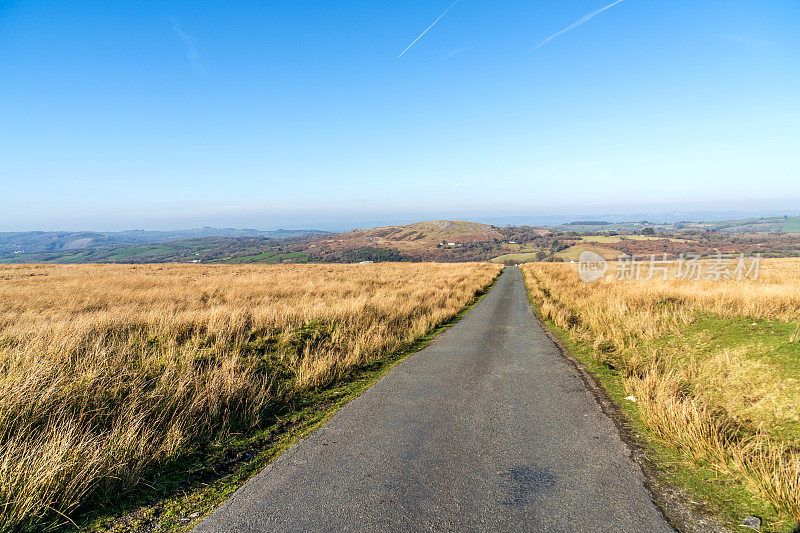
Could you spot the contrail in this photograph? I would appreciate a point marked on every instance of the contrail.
(188, 41)
(429, 27)
(584, 19)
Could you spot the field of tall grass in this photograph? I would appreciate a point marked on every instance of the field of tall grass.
(109, 371)
(712, 365)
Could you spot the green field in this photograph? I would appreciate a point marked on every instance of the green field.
(573, 252)
(602, 239)
(515, 258)
(270, 258)
(792, 225)
(206, 250)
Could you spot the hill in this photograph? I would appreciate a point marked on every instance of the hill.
(441, 240)
(437, 232)
(31, 242)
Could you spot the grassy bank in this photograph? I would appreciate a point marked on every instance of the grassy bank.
(114, 375)
(706, 372)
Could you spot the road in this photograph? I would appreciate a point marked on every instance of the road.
(488, 428)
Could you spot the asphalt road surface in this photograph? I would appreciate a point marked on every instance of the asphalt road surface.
(489, 428)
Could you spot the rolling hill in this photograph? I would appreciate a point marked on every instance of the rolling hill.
(455, 231)
(32, 242)
(441, 240)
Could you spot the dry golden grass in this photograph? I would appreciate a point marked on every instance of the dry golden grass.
(705, 402)
(623, 313)
(109, 371)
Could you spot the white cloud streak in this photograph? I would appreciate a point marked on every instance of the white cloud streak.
(455, 52)
(583, 20)
(428, 29)
(191, 48)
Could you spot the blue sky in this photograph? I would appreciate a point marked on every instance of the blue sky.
(139, 114)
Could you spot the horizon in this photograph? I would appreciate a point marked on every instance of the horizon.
(165, 115)
(498, 221)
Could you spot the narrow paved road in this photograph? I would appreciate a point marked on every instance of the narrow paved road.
(486, 429)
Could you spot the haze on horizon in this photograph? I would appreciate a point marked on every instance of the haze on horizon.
(165, 115)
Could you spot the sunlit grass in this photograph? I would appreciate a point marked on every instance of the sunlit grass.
(109, 371)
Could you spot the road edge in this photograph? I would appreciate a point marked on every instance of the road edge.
(677, 507)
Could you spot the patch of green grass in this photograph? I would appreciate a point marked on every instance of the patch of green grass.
(791, 225)
(517, 258)
(178, 499)
(78, 257)
(265, 257)
(764, 391)
(652, 238)
(296, 257)
(271, 257)
(573, 253)
(131, 252)
(612, 239)
(606, 239)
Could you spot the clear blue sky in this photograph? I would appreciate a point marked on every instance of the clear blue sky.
(145, 114)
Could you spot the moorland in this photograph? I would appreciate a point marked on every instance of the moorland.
(112, 373)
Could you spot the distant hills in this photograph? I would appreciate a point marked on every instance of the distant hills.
(782, 224)
(55, 241)
(442, 240)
